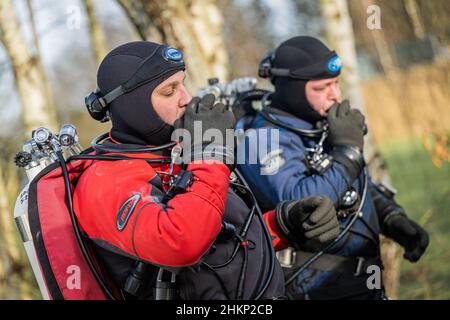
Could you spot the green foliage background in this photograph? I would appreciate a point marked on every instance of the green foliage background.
(424, 191)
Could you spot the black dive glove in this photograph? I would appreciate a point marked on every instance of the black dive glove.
(346, 136)
(211, 116)
(308, 223)
(407, 233)
(396, 225)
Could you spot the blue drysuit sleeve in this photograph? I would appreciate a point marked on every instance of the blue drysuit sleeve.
(279, 172)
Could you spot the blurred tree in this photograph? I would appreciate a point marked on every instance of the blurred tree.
(414, 15)
(16, 279)
(193, 26)
(136, 12)
(245, 35)
(36, 56)
(30, 78)
(310, 17)
(372, 41)
(98, 41)
(395, 23)
(340, 36)
(9, 253)
(33, 28)
(401, 22)
(37, 110)
(435, 19)
(385, 56)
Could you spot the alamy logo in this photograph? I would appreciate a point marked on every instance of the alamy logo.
(374, 20)
(374, 280)
(260, 146)
(73, 21)
(272, 162)
(74, 279)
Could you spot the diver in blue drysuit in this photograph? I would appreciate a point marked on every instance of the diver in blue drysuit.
(305, 142)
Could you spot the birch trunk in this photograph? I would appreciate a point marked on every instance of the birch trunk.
(386, 58)
(6, 247)
(98, 39)
(31, 81)
(37, 110)
(413, 11)
(195, 27)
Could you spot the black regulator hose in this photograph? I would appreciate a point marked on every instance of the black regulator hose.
(241, 235)
(241, 282)
(272, 256)
(335, 241)
(251, 95)
(76, 227)
(117, 157)
(313, 133)
(111, 149)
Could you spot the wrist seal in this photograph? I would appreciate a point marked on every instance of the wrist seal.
(283, 222)
(215, 152)
(351, 158)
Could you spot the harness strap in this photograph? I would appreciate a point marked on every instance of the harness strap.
(335, 263)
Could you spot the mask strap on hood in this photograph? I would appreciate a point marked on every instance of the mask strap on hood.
(329, 66)
(97, 103)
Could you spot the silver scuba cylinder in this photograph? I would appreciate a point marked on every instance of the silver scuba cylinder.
(37, 154)
(21, 219)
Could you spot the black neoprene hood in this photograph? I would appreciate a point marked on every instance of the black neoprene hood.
(307, 58)
(134, 70)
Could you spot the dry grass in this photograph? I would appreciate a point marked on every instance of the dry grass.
(408, 103)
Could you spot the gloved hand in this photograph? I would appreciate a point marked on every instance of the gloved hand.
(309, 223)
(345, 125)
(346, 136)
(408, 234)
(211, 116)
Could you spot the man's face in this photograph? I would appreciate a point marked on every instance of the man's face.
(170, 98)
(322, 94)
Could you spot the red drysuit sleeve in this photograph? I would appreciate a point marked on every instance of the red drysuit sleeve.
(178, 234)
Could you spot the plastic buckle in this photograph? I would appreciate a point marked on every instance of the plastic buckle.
(287, 257)
(359, 266)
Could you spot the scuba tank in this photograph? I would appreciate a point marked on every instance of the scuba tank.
(62, 264)
(33, 161)
(42, 214)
